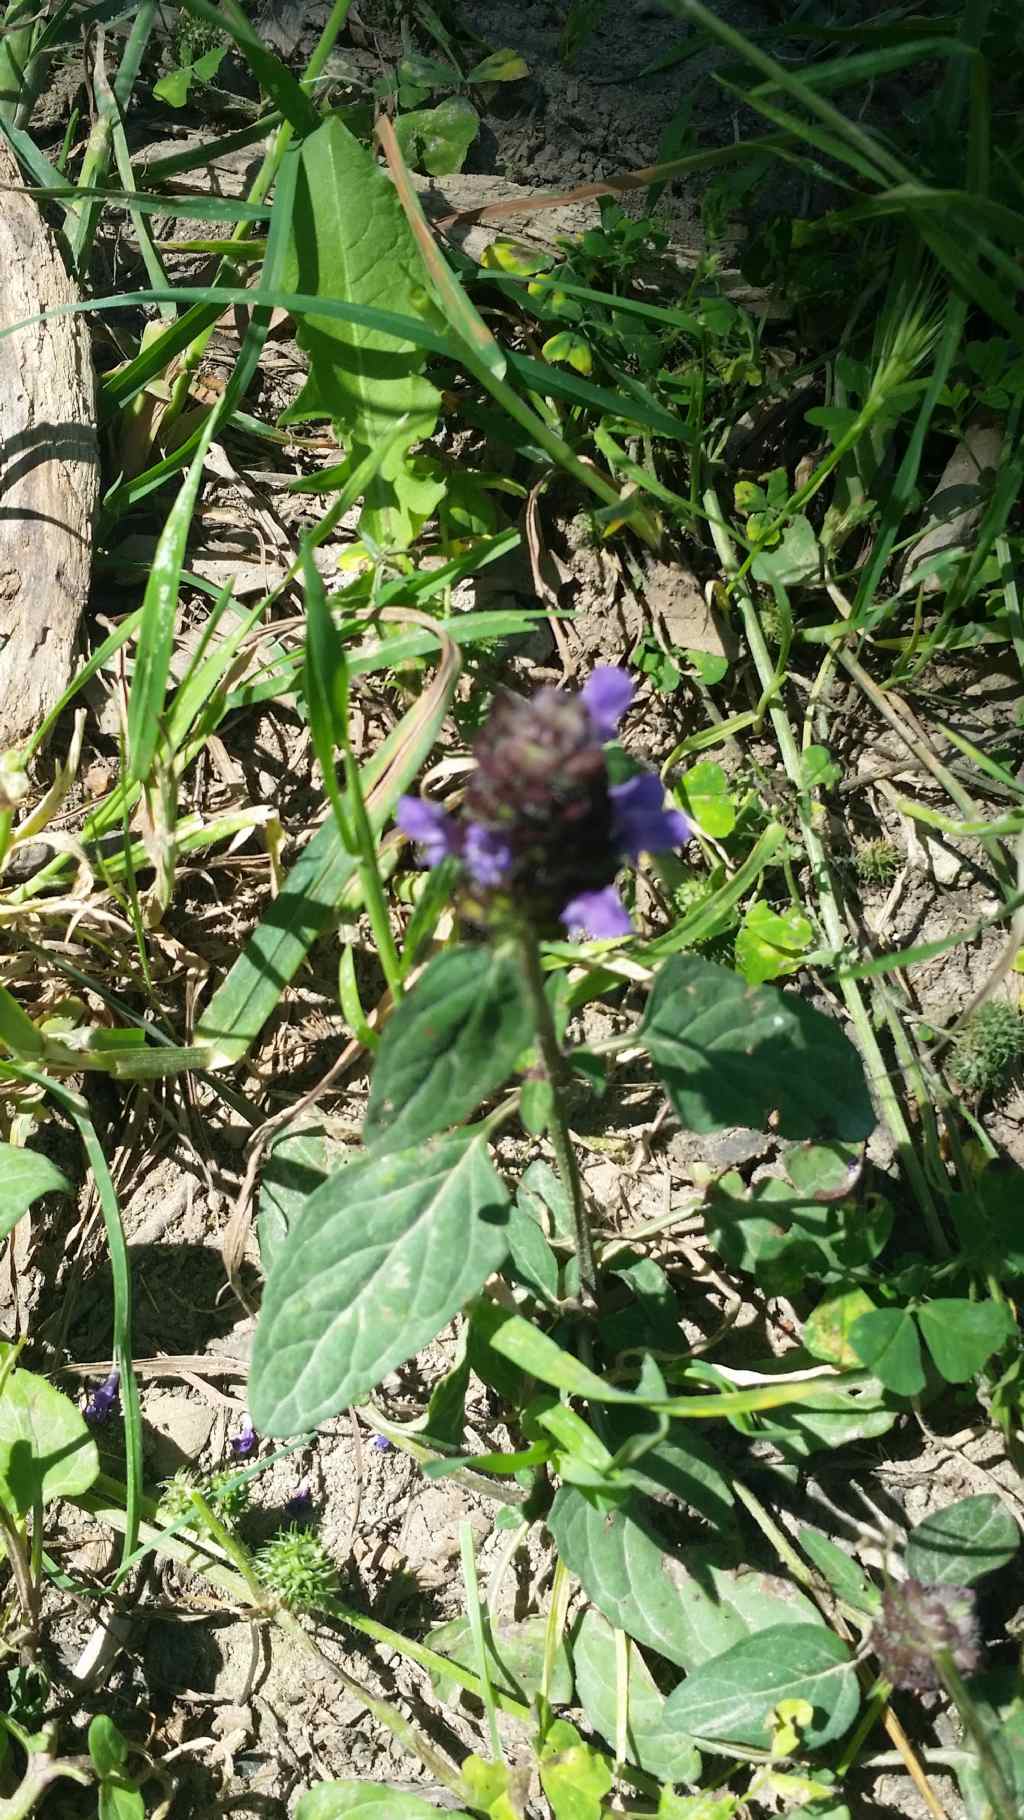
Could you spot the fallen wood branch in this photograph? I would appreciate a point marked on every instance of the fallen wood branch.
(49, 469)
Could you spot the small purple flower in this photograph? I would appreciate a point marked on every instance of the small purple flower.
(606, 695)
(598, 914)
(430, 826)
(487, 856)
(243, 1443)
(640, 821)
(381, 1444)
(300, 1505)
(100, 1405)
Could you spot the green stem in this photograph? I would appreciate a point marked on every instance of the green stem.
(888, 1099)
(368, 870)
(996, 1785)
(35, 1783)
(554, 1067)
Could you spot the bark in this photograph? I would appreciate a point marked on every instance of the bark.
(49, 470)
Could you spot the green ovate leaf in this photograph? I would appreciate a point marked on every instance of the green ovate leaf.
(297, 1164)
(734, 1695)
(962, 1336)
(784, 1239)
(108, 1746)
(118, 1802)
(847, 1580)
(680, 1464)
(796, 559)
(46, 1449)
(650, 1743)
(365, 1801)
(490, 1789)
(705, 795)
(436, 139)
(453, 1039)
(24, 1177)
(689, 1604)
(573, 1776)
(731, 1054)
(769, 945)
(379, 1260)
(962, 1543)
(515, 1658)
(886, 1341)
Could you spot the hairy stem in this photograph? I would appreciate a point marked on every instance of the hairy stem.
(999, 1792)
(554, 1067)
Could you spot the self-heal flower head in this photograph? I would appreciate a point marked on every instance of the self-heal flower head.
(542, 831)
(918, 1623)
(100, 1405)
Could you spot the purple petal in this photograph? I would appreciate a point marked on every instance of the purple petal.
(640, 821)
(487, 856)
(597, 913)
(381, 1443)
(300, 1505)
(606, 696)
(98, 1409)
(244, 1441)
(431, 827)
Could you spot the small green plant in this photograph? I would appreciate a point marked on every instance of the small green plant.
(296, 1567)
(228, 1497)
(176, 1496)
(877, 861)
(988, 1045)
(200, 50)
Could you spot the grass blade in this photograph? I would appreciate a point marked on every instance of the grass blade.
(77, 1111)
(305, 907)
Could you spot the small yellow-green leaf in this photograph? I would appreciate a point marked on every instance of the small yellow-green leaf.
(574, 1777)
(514, 256)
(570, 348)
(827, 1328)
(769, 945)
(500, 66)
(704, 791)
(437, 139)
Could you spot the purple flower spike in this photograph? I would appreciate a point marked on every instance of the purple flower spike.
(487, 856)
(430, 826)
(599, 914)
(640, 821)
(606, 696)
(244, 1441)
(101, 1403)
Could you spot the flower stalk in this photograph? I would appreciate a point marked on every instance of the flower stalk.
(553, 1063)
